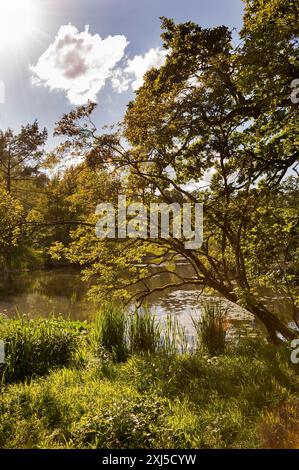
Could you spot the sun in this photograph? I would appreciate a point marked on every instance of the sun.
(17, 21)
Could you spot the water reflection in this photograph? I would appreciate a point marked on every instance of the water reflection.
(61, 291)
(41, 293)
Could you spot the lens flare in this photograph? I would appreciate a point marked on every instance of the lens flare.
(18, 21)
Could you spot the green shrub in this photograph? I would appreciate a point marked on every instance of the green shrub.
(33, 347)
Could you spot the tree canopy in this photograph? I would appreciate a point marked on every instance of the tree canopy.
(215, 124)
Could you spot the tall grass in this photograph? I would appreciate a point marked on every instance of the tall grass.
(174, 338)
(156, 400)
(144, 332)
(211, 328)
(122, 333)
(280, 427)
(110, 331)
(33, 347)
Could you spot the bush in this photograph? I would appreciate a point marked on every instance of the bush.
(33, 347)
(211, 328)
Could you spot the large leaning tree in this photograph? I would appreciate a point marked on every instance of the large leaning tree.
(217, 115)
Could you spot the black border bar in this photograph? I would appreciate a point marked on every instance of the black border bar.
(151, 459)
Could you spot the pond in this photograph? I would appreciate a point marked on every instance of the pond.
(61, 291)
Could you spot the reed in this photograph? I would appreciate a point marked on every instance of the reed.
(144, 332)
(211, 328)
(110, 331)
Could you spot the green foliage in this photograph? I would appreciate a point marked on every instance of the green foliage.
(212, 111)
(21, 154)
(121, 333)
(174, 338)
(280, 426)
(153, 401)
(126, 422)
(11, 212)
(33, 347)
(211, 328)
(144, 332)
(110, 331)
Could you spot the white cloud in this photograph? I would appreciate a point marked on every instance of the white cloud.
(132, 75)
(78, 63)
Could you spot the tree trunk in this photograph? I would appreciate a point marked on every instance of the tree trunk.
(271, 322)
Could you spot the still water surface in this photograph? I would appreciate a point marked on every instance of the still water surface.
(61, 291)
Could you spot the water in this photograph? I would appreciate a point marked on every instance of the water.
(61, 291)
(41, 293)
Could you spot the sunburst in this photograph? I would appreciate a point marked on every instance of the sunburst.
(18, 21)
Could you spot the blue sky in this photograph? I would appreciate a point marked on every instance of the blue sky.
(136, 21)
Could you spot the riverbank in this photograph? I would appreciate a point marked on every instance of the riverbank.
(62, 389)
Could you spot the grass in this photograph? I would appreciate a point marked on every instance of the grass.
(122, 333)
(110, 331)
(246, 398)
(33, 347)
(144, 332)
(174, 339)
(211, 328)
(280, 426)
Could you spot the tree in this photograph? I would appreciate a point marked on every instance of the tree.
(72, 198)
(11, 212)
(21, 154)
(216, 112)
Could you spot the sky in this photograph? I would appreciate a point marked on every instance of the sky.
(57, 54)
